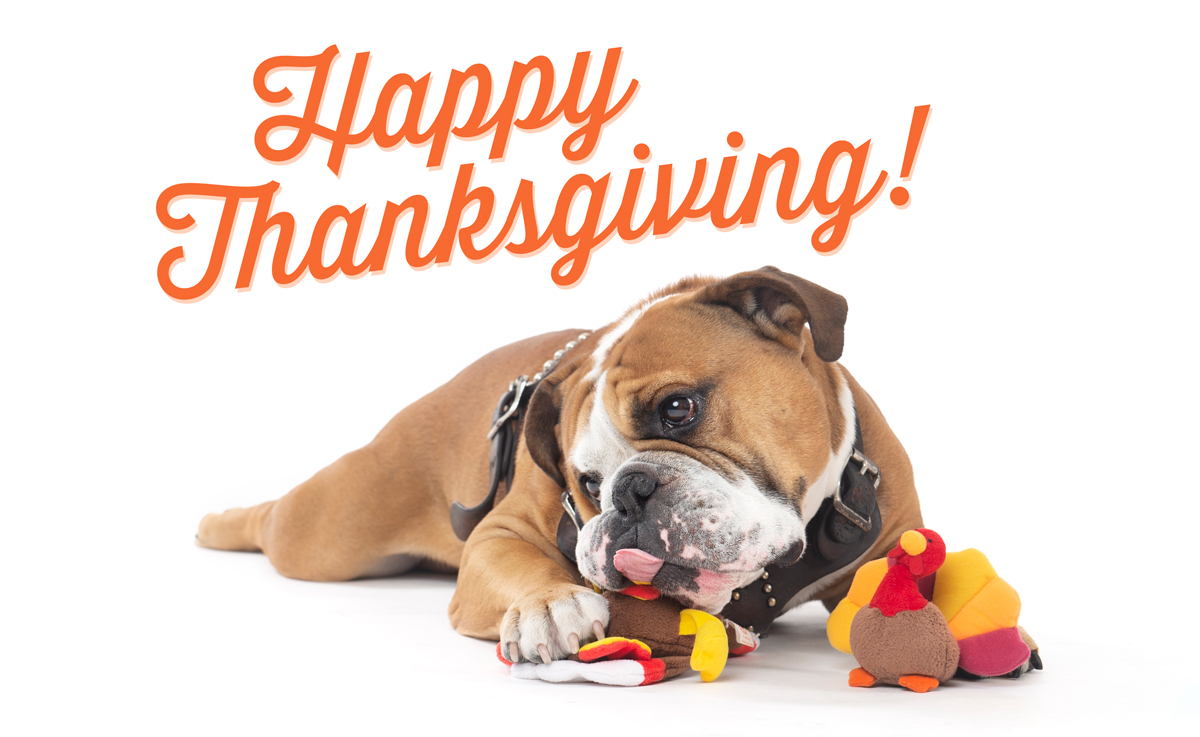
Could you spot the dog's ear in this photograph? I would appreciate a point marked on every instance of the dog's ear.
(541, 430)
(779, 304)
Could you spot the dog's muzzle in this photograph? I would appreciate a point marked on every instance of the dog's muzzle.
(671, 522)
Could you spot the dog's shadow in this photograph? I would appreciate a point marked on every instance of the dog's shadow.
(795, 664)
(801, 630)
(411, 581)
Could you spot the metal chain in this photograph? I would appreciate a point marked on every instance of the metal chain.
(552, 364)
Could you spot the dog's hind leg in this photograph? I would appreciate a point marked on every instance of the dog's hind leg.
(368, 514)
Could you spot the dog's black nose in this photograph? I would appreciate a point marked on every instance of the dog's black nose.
(630, 493)
(633, 487)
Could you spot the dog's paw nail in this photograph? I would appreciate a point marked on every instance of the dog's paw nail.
(514, 653)
(573, 641)
(544, 652)
(598, 629)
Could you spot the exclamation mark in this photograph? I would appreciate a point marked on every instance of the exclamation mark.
(899, 195)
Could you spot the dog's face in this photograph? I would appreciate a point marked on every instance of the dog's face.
(700, 433)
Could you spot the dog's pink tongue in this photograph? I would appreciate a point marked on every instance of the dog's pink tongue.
(637, 565)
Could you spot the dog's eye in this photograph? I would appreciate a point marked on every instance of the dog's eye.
(592, 484)
(678, 411)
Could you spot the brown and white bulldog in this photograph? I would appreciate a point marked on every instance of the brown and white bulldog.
(698, 435)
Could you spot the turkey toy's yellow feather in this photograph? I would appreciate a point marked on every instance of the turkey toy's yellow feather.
(712, 644)
(866, 580)
(962, 576)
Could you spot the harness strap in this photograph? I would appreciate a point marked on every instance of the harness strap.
(506, 430)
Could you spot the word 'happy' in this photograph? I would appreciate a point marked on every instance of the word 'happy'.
(520, 233)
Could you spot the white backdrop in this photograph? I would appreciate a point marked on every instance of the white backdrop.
(1026, 324)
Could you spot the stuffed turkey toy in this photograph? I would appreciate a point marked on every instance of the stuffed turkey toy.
(917, 580)
(650, 639)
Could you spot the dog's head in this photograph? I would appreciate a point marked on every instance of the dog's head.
(699, 433)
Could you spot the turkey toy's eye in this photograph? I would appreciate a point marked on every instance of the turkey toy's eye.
(591, 484)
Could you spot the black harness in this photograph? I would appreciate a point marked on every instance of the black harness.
(843, 530)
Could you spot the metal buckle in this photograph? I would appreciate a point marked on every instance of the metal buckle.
(517, 386)
(855, 518)
(568, 503)
(866, 466)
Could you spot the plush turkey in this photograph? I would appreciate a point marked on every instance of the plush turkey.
(650, 639)
(901, 638)
(981, 608)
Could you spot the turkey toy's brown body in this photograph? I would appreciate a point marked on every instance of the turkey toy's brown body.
(656, 623)
(911, 643)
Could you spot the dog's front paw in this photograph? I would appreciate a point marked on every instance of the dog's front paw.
(552, 625)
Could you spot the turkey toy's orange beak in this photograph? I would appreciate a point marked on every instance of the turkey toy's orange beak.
(912, 545)
(913, 542)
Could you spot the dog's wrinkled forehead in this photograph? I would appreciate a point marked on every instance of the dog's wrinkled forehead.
(599, 447)
(723, 372)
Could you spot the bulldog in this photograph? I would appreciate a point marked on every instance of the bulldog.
(697, 437)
